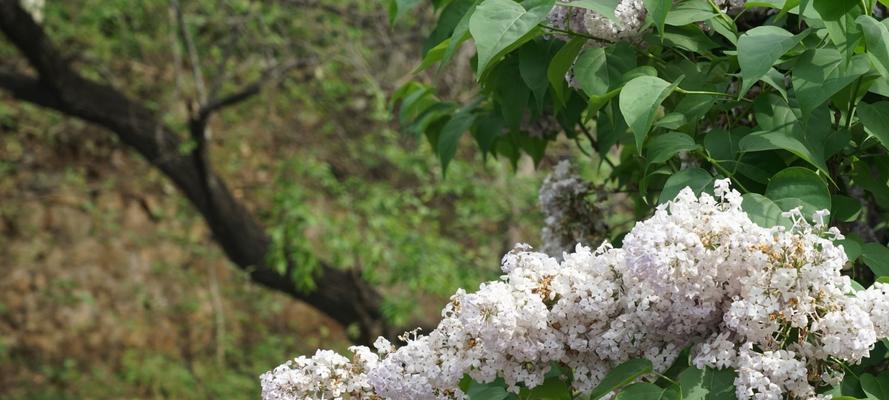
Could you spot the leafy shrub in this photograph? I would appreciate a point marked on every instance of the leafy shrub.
(698, 291)
(784, 98)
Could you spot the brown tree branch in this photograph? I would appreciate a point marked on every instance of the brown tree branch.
(269, 75)
(339, 293)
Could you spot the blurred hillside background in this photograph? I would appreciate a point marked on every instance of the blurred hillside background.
(112, 286)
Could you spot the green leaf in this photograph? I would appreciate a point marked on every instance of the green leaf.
(397, 8)
(707, 384)
(673, 120)
(689, 38)
(876, 257)
(845, 208)
(487, 391)
(876, 35)
(851, 246)
(642, 70)
(808, 139)
(591, 71)
(501, 25)
(722, 145)
(433, 55)
(697, 179)
(831, 10)
(461, 33)
(876, 388)
(663, 147)
(841, 28)
(403, 91)
(639, 101)
(773, 140)
(776, 4)
(821, 73)
(873, 117)
(775, 79)
(533, 146)
(799, 187)
(532, 68)
(620, 376)
(763, 211)
(758, 167)
(414, 104)
(694, 107)
(430, 117)
(803, 6)
(511, 96)
(873, 176)
(880, 86)
(450, 135)
(759, 49)
(610, 127)
(646, 391)
(725, 28)
(597, 102)
(689, 12)
(486, 129)
(551, 389)
(560, 64)
(652, 175)
(450, 17)
(599, 71)
(657, 10)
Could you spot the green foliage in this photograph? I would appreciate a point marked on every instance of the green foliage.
(707, 384)
(657, 10)
(626, 381)
(621, 376)
(798, 187)
(403, 237)
(764, 212)
(759, 49)
(502, 25)
(639, 102)
(791, 109)
(697, 179)
(290, 253)
(876, 257)
(790, 104)
(872, 117)
(875, 387)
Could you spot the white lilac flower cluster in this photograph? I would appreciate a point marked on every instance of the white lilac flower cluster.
(570, 214)
(326, 375)
(629, 18)
(769, 303)
(627, 24)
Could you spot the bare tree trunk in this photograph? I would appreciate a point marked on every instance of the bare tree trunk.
(341, 294)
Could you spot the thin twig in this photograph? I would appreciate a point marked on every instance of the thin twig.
(573, 33)
(253, 88)
(595, 145)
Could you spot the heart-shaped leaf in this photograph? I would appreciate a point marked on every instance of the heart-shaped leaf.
(759, 49)
(639, 101)
(501, 25)
(799, 187)
(620, 376)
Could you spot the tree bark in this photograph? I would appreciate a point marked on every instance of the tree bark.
(339, 293)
